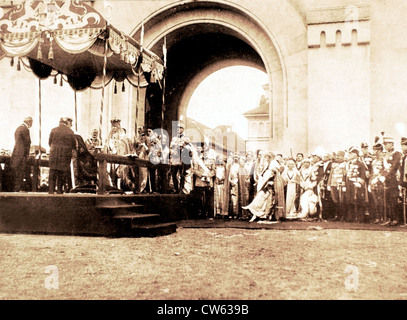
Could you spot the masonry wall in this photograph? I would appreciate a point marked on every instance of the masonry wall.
(338, 85)
(389, 68)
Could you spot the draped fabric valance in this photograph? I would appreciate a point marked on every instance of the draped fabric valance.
(70, 37)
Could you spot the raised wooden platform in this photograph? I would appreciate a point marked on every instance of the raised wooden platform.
(93, 215)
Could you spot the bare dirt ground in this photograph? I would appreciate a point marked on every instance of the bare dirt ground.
(213, 262)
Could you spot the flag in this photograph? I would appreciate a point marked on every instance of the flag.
(165, 51)
(142, 37)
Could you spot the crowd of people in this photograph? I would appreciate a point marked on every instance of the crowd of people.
(355, 185)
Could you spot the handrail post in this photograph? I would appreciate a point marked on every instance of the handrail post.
(102, 170)
(36, 174)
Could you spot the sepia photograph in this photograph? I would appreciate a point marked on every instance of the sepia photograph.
(204, 155)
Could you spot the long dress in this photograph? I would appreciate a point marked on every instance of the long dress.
(142, 153)
(262, 203)
(291, 179)
(226, 189)
(264, 200)
(234, 189)
(218, 189)
(244, 190)
(308, 200)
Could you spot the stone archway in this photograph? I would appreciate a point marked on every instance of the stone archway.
(202, 38)
(205, 36)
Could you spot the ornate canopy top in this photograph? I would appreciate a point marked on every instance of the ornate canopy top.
(71, 37)
(36, 16)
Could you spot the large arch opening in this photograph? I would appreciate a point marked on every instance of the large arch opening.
(223, 97)
(203, 37)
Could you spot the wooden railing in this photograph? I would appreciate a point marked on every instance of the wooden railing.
(102, 162)
(34, 163)
(104, 159)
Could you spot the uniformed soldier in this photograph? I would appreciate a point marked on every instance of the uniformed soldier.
(355, 187)
(391, 162)
(176, 146)
(376, 185)
(403, 175)
(234, 187)
(336, 184)
(403, 168)
(325, 195)
(219, 184)
(93, 143)
(204, 170)
(318, 169)
(155, 149)
(367, 158)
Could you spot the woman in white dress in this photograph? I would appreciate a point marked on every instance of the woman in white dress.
(308, 200)
(264, 200)
(291, 178)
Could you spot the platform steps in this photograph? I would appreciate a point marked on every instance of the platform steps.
(131, 220)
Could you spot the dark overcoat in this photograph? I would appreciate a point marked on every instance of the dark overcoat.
(21, 149)
(62, 142)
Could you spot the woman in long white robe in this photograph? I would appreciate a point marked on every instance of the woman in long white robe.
(264, 200)
(291, 178)
(308, 200)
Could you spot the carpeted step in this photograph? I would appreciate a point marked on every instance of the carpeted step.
(154, 230)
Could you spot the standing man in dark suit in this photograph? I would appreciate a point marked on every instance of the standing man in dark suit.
(21, 152)
(61, 141)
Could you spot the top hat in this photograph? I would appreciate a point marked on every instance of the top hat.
(364, 145)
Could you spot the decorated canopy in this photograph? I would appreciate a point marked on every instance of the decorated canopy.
(73, 39)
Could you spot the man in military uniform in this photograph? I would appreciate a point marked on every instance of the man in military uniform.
(403, 175)
(204, 171)
(324, 194)
(93, 143)
(367, 158)
(234, 186)
(298, 160)
(355, 187)
(392, 160)
(176, 146)
(336, 185)
(155, 149)
(318, 169)
(186, 178)
(219, 184)
(376, 185)
(21, 152)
